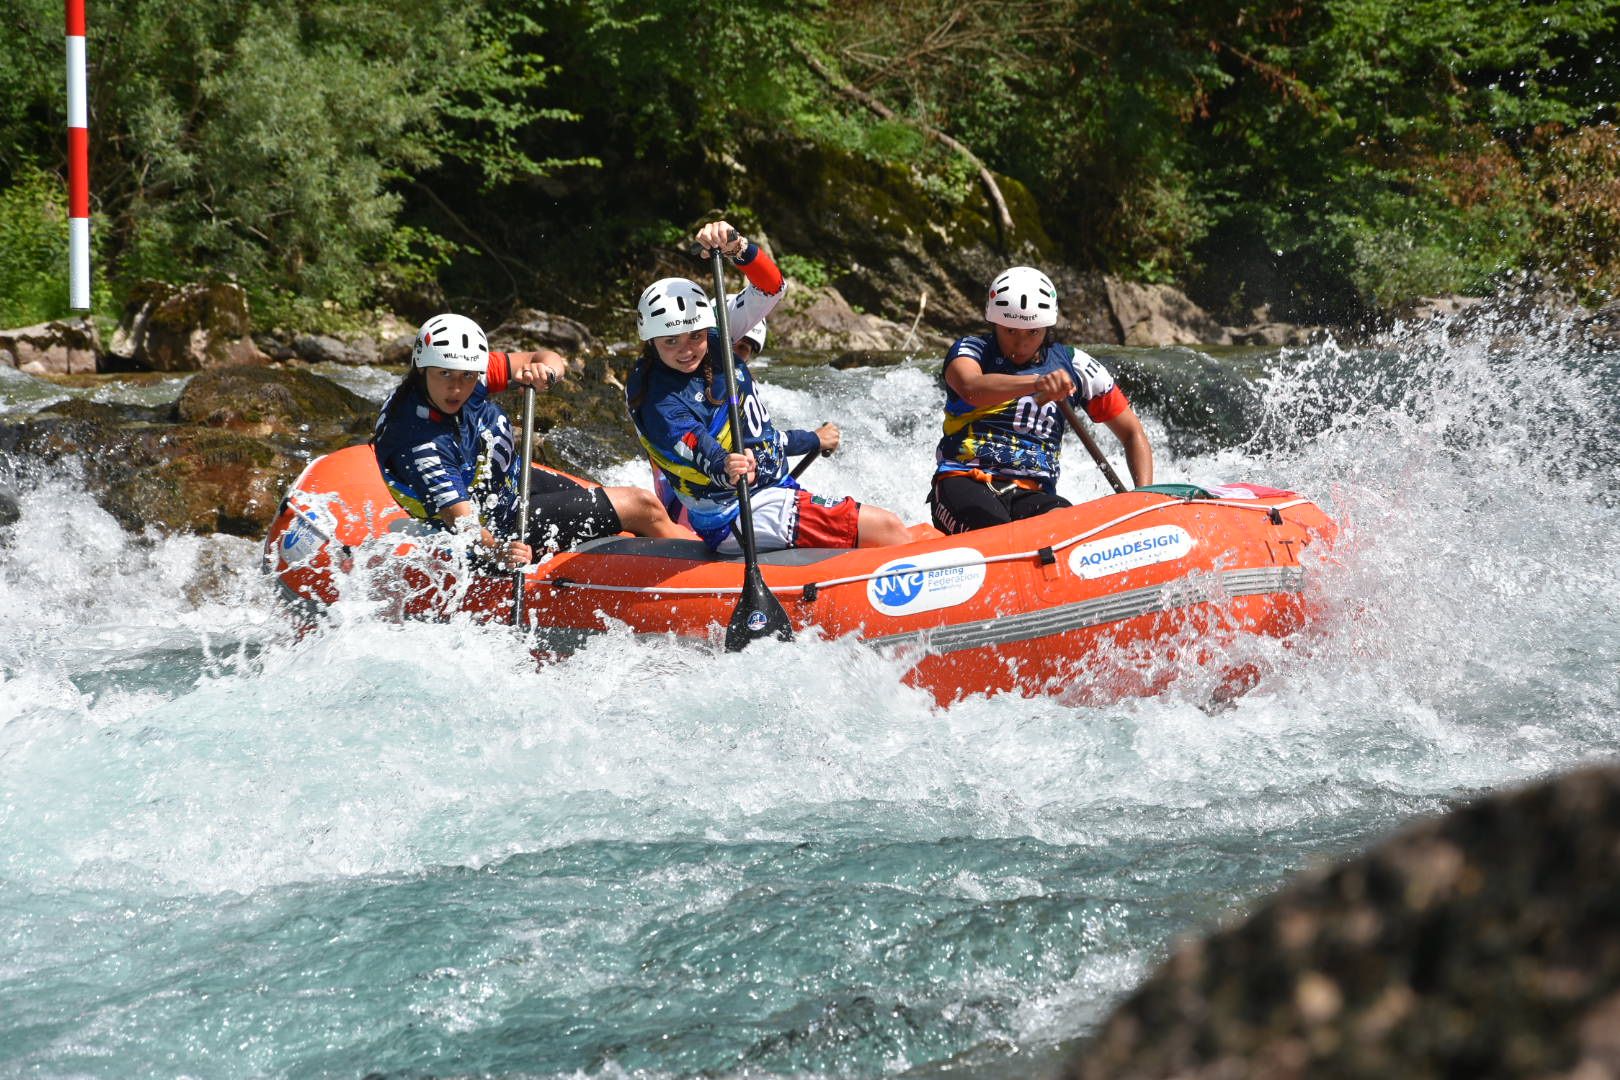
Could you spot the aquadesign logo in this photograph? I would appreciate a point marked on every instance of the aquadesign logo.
(1144, 547)
(939, 579)
(756, 621)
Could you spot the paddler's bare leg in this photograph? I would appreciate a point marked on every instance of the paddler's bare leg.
(640, 512)
(881, 528)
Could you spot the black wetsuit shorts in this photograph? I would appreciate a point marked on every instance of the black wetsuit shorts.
(963, 503)
(564, 512)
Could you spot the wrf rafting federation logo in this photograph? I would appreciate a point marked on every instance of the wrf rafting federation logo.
(1116, 554)
(939, 579)
(307, 535)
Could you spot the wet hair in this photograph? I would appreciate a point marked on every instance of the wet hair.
(413, 380)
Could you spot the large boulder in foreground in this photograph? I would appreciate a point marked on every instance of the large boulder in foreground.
(1482, 943)
(176, 478)
(185, 328)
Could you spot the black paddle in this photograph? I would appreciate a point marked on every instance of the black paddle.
(807, 461)
(1091, 445)
(523, 500)
(759, 613)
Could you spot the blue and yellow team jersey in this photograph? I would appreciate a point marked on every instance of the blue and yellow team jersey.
(682, 421)
(432, 460)
(1019, 439)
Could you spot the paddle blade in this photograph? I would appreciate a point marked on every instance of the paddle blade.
(759, 614)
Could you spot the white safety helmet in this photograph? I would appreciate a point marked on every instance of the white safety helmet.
(451, 341)
(673, 305)
(1022, 297)
(756, 333)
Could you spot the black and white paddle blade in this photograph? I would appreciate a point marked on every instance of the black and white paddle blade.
(759, 614)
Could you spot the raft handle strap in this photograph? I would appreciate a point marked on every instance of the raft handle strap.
(1047, 555)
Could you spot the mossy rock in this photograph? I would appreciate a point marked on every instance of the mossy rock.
(893, 238)
(146, 470)
(201, 480)
(85, 411)
(581, 424)
(281, 400)
(186, 328)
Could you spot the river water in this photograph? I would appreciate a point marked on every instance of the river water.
(406, 851)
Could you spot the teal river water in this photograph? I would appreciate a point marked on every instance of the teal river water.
(408, 851)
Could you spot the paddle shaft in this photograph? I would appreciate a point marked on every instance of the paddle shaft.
(524, 488)
(733, 407)
(758, 612)
(1091, 446)
(807, 461)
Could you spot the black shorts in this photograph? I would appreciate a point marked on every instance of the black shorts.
(961, 503)
(564, 512)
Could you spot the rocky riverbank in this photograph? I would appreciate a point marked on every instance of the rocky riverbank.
(204, 325)
(252, 412)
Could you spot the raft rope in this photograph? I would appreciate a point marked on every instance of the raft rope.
(984, 560)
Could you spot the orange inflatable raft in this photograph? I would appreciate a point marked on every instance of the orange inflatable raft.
(1097, 601)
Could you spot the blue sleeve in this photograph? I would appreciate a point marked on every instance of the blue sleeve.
(433, 470)
(801, 442)
(970, 347)
(677, 432)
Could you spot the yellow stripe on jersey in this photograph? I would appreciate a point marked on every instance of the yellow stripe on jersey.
(953, 424)
(684, 475)
(413, 506)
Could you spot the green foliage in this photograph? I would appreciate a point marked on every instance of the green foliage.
(1389, 136)
(33, 105)
(274, 141)
(1324, 157)
(1330, 152)
(34, 238)
(1576, 211)
(806, 270)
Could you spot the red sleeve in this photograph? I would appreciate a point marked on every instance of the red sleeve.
(760, 270)
(499, 375)
(1105, 407)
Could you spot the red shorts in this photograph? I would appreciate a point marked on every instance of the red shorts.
(830, 523)
(794, 518)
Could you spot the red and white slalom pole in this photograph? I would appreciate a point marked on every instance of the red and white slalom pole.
(78, 162)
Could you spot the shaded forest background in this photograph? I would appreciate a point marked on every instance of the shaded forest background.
(343, 157)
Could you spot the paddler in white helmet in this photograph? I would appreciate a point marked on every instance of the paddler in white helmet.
(998, 459)
(751, 343)
(446, 451)
(677, 399)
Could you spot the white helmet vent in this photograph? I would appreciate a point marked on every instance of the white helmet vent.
(451, 341)
(1022, 297)
(673, 306)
